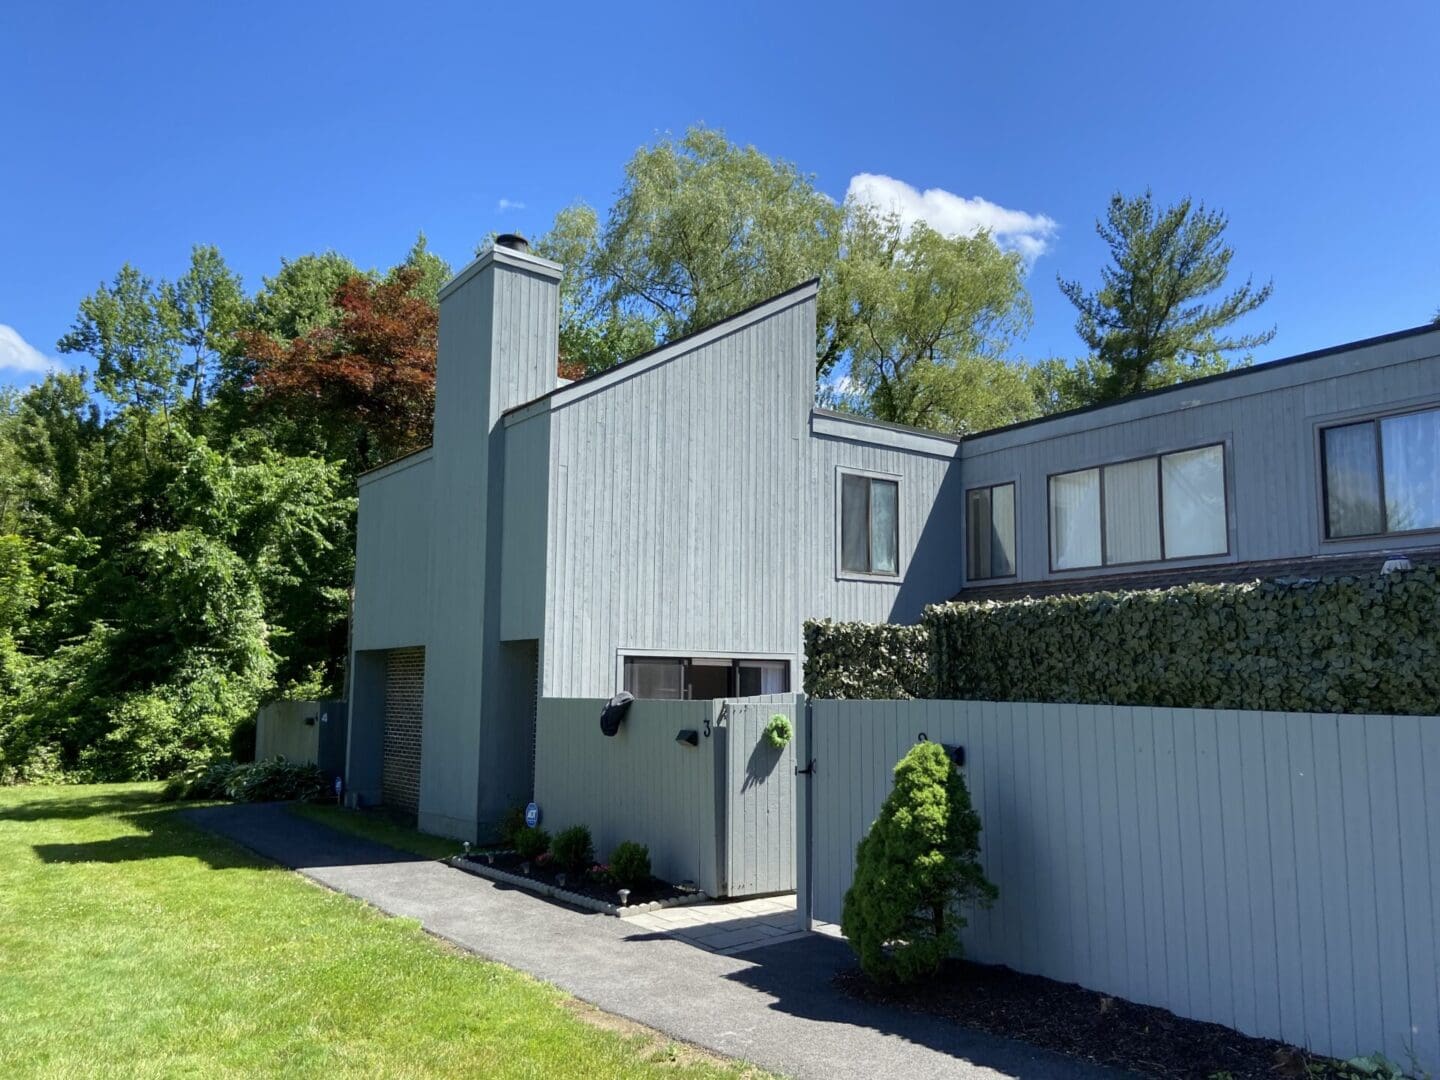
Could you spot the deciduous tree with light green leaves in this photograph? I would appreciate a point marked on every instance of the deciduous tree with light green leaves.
(210, 305)
(1152, 322)
(700, 229)
(931, 318)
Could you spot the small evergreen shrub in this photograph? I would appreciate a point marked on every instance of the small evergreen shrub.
(573, 849)
(778, 731)
(630, 865)
(918, 863)
(532, 843)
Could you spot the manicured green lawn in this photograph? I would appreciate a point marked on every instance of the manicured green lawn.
(134, 945)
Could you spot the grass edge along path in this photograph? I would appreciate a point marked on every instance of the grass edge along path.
(134, 944)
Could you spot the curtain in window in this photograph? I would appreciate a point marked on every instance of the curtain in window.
(978, 527)
(884, 527)
(1132, 512)
(1075, 519)
(1352, 481)
(1002, 536)
(1194, 483)
(1411, 448)
(855, 524)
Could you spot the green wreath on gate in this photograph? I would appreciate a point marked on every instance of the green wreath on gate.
(778, 731)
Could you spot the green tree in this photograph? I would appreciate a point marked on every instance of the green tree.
(1150, 324)
(917, 864)
(301, 297)
(700, 229)
(431, 272)
(210, 305)
(932, 318)
(133, 332)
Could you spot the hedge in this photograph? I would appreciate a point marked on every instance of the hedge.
(867, 660)
(1361, 644)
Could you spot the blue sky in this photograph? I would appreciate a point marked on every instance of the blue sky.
(131, 132)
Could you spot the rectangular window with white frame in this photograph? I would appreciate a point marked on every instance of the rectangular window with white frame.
(869, 541)
(1150, 509)
(990, 532)
(1382, 476)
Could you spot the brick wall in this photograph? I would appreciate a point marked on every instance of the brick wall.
(404, 704)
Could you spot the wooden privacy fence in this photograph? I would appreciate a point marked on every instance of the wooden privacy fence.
(311, 732)
(1274, 872)
(719, 813)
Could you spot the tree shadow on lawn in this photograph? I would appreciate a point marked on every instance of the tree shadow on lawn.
(209, 833)
(78, 807)
(800, 975)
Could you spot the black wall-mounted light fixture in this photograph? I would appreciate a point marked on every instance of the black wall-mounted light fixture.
(688, 737)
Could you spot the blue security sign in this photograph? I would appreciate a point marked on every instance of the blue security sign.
(532, 815)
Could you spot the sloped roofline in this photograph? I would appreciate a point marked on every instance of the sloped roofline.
(1233, 373)
(661, 353)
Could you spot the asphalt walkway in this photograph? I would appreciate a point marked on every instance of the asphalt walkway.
(774, 1006)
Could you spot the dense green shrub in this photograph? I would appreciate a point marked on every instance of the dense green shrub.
(630, 865)
(867, 660)
(275, 780)
(200, 781)
(916, 865)
(573, 849)
(532, 843)
(1362, 644)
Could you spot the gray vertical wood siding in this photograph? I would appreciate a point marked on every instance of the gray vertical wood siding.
(1273, 872)
(720, 814)
(1269, 421)
(759, 790)
(392, 555)
(692, 510)
(673, 507)
(639, 784)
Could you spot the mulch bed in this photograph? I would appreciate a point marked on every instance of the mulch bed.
(604, 891)
(1092, 1026)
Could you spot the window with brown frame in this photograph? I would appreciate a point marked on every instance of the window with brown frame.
(869, 525)
(1150, 509)
(990, 532)
(1382, 476)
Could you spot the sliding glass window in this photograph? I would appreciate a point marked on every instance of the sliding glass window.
(990, 532)
(1170, 506)
(1383, 475)
(869, 525)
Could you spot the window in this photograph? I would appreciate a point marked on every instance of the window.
(704, 677)
(1171, 506)
(990, 532)
(869, 525)
(1383, 475)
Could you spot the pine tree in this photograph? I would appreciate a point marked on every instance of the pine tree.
(1148, 324)
(916, 866)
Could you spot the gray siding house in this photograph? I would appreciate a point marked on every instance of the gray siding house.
(668, 526)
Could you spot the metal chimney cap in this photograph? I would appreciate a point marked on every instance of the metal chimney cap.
(513, 241)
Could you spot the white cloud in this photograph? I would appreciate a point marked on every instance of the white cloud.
(17, 354)
(509, 204)
(955, 215)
